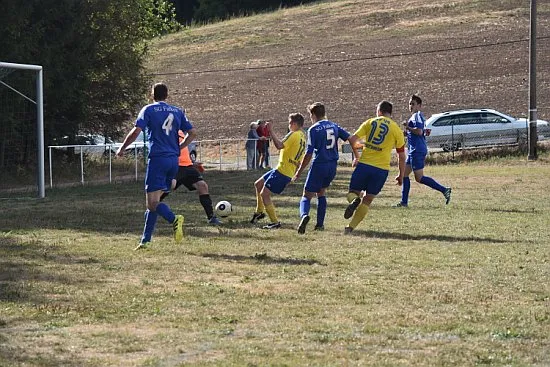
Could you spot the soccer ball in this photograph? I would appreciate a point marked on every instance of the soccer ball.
(224, 208)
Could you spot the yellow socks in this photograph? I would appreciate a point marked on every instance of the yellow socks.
(359, 215)
(351, 196)
(270, 209)
(259, 203)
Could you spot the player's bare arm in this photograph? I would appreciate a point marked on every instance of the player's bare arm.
(130, 138)
(303, 164)
(276, 141)
(353, 140)
(401, 159)
(191, 135)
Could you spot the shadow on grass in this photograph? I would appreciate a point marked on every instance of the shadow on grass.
(228, 230)
(261, 259)
(512, 210)
(427, 237)
(22, 263)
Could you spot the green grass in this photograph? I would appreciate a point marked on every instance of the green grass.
(467, 284)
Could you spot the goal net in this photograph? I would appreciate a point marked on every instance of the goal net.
(21, 130)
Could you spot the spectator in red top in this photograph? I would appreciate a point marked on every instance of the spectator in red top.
(263, 145)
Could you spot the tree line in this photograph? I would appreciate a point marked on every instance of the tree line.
(200, 11)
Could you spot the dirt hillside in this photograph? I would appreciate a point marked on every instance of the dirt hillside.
(350, 54)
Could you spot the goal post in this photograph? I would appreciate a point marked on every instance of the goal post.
(39, 102)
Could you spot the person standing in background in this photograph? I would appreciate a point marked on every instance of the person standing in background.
(251, 147)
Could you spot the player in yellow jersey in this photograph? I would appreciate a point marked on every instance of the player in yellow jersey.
(292, 148)
(381, 135)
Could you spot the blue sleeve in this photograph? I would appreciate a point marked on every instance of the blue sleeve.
(418, 121)
(310, 142)
(342, 133)
(142, 118)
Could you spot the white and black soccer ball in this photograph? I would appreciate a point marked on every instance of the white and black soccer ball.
(224, 209)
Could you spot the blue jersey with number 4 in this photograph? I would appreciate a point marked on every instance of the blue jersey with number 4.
(322, 140)
(162, 123)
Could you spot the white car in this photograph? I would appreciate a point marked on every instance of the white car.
(91, 144)
(477, 127)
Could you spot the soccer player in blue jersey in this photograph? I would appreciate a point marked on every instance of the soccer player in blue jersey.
(322, 147)
(162, 122)
(292, 148)
(381, 135)
(414, 129)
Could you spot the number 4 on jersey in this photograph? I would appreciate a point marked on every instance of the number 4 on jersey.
(167, 124)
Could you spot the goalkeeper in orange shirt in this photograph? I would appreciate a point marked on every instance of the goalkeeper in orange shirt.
(189, 175)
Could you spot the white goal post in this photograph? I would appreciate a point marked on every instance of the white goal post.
(39, 117)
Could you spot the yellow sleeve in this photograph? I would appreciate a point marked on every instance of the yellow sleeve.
(361, 133)
(399, 137)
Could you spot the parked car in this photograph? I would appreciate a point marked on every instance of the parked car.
(477, 127)
(139, 145)
(89, 144)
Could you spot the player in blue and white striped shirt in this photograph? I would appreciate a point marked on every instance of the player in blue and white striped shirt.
(416, 155)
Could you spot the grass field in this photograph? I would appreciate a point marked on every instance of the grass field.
(467, 284)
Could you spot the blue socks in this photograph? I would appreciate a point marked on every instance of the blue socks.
(321, 210)
(305, 205)
(150, 221)
(430, 182)
(405, 190)
(164, 211)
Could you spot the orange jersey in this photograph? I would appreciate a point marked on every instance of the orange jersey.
(184, 159)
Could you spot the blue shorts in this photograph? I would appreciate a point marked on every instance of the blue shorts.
(320, 176)
(275, 181)
(416, 160)
(368, 178)
(160, 172)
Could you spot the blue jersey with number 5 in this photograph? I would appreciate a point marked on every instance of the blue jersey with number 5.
(162, 123)
(322, 140)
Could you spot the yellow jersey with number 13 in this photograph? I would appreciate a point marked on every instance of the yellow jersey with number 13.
(380, 134)
(292, 152)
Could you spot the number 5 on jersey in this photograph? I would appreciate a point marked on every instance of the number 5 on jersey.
(331, 139)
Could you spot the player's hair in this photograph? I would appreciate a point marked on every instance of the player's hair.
(297, 118)
(385, 107)
(160, 92)
(417, 99)
(317, 109)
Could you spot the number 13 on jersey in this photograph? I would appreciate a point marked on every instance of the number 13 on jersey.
(378, 132)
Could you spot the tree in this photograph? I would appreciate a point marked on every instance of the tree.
(93, 54)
